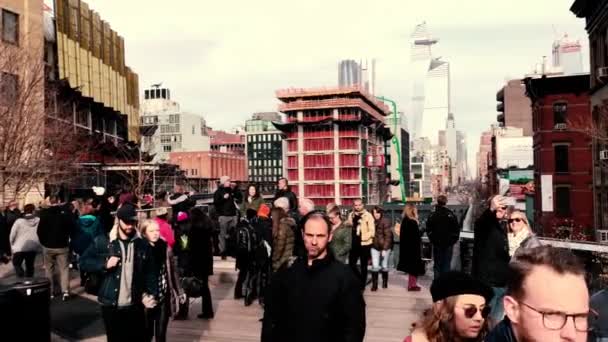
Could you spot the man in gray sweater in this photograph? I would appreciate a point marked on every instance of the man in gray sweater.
(24, 242)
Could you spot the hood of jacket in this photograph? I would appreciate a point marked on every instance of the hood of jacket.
(87, 221)
(30, 221)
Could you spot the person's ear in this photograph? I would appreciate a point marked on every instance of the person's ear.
(512, 309)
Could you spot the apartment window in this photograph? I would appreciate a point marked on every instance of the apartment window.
(561, 158)
(174, 118)
(562, 200)
(9, 88)
(10, 27)
(83, 117)
(559, 113)
(167, 148)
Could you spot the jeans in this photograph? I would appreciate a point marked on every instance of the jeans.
(124, 323)
(362, 254)
(157, 321)
(227, 223)
(498, 310)
(19, 258)
(376, 263)
(442, 260)
(57, 257)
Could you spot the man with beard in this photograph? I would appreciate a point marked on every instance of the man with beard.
(129, 283)
(317, 298)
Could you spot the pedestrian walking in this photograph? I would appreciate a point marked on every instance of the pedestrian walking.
(263, 253)
(547, 299)
(225, 207)
(520, 233)
(170, 294)
(200, 250)
(491, 251)
(381, 248)
(11, 214)
(54, 230)
(179, 202)
(284, 190)
(253, 200)
(410, 247)
(459, 312)
(166, 232)
(129, 281)
(341, 235)
(24, 242)
(282, 237)
(316, 298)
(443, 231)
(362, 238)
(244, 253)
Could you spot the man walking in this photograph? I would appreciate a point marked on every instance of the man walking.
(317, 298)
(129, 282)
(285, 191)
(225, 207)
(443, 231)
(362, 238)
(54, 230)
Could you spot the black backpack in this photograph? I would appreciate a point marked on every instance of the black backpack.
(244, 238)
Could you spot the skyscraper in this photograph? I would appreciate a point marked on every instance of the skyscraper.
(349, 73)
(567, 55)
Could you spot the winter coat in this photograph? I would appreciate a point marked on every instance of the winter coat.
(340, 243)
(254, 204)
(283, 243)
(11, 216)
(88, 228)
(23, 236)
(366, 228)
(410, 248)
(144, 278)
(163, 256)
(503, 332)
(263, 229)
(490, 250)
(383, 239)
(56, 226)
(224, 206)
(179, 202)
(442, 228)
(166, 232)
(200, 249)
(293, 199)
(599, 303)
(321, 303)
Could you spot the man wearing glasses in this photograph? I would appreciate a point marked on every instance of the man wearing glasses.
(546, 300)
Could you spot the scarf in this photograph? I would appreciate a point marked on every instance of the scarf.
(515, 240)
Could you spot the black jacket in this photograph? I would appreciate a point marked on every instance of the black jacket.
(410, 248)
(293, 199)
(490, 250)
(200, 248)
(503, 332)
(442, 227)
(56, 226)
(224, 206)
(320, 303)
(179, 202)
(145, 278)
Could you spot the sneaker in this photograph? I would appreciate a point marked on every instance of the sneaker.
(65, 296)
(205, 316)
(414, 288)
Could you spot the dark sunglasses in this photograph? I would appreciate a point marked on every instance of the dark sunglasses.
(504, 208)
(471, 311)
(515, 220)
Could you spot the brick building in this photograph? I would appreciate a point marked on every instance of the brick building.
(203, 169)
(562, 155)
(331, 136)
(514, 107)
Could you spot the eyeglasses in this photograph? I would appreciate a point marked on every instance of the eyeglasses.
(553, 320)
(515, 220)
(471, 311)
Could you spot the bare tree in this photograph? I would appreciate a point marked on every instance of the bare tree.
(594, 126)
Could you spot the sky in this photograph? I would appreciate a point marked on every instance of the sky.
(225, 59)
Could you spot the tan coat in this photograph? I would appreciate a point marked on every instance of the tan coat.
(366, 229)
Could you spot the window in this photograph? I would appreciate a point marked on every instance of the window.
(83, 117)
(167, 148)
(561, 158)
(559, 113)
(174, 118)
(10, 27)
(562, 200)
(165, 139)
(9, 88)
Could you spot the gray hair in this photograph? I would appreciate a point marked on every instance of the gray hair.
(307, 204)
(283, 203)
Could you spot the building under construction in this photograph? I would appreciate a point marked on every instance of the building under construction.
(335, 144)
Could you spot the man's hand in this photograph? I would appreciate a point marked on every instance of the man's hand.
(498, 202)
(148, 301)
(111, 199)
(112, 262)
(226, 196)
(182, 298)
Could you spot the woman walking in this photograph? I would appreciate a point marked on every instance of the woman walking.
(170, 293)
(200, 250)
(341, 233)
(282, 237)
(410, 247)
(381, 248)
(520, 234)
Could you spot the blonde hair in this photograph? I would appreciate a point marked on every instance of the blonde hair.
(523, 217)
(410, 211)
(145, 225)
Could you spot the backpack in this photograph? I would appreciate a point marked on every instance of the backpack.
(244, 238)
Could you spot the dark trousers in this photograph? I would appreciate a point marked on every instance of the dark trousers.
(124, 324)
(361, 254)
(207, 305)
(442, 260)
(240, 280)
(19, 258)
(157, 321)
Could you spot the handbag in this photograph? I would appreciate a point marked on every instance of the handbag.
(92, 283)
(192, 286)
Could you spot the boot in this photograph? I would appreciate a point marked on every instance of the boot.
(384, 279)
(374, 281)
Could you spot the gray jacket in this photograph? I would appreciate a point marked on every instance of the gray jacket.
(24, 237)
(529, 242)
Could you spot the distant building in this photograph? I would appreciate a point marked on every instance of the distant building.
(265, 151)
(562, 155)
(568, 56)
(514, 107)
(362, 74)
(227, 142)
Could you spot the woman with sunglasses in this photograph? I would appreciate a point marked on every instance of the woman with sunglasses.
(520, 234)
(459, 311)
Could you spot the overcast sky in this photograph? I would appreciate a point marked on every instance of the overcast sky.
(225, 59)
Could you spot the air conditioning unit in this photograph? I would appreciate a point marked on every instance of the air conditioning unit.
(602, 73)
(604, 155)
(560, 126)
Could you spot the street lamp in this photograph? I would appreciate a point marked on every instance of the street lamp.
(395, 142)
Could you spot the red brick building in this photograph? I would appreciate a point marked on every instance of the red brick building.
(562, 156)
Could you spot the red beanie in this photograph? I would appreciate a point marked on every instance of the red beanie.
(264, 211)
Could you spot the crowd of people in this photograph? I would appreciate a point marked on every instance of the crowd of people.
(307, 268)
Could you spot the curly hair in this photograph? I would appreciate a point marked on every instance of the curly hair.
(437, 322)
